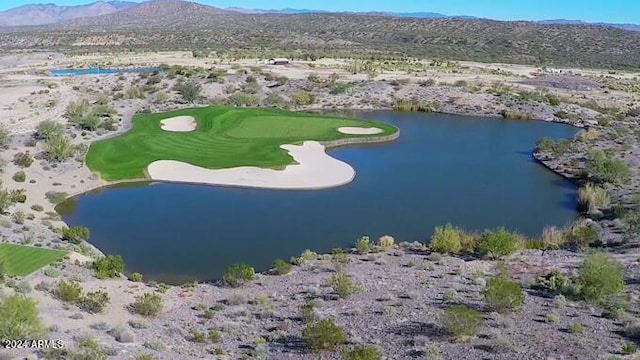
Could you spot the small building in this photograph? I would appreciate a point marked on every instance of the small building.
(278, 61)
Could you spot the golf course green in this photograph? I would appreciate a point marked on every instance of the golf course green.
(224, 137)
(23, 260)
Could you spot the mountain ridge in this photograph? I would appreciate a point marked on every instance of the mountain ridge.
(50, 13)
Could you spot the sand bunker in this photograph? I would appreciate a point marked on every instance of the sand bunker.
(359, 130)
(314, 170)
(179, 124)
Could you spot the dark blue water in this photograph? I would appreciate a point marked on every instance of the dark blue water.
(476, 173)
(102, 71)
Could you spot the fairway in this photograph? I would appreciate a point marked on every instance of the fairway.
(224, 138)
(23, 260)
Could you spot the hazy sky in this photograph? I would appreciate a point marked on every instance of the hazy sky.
(618, 11)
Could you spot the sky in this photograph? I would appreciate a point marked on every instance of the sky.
(612, 11)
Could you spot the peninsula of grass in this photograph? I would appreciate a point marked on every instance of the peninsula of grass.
(22, 260)
(224, 137)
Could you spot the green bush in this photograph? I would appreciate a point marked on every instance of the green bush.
(240, 98)
(498, 243)
(581, 235)
(462, 322)
(363, 246)
(600, 275)
(59, 148)
(302, 98)
(189, 91)
(75, 234)
(109, 266)
(282, 267)
(307, 312)
(323, 335)
(605, 169)
(503, 294)
(362, 352)
(446, 240)
(68, 291)
(553, 282)
(23, 159)
(147, 304)
(94, 302)
(19, 318)
(342, 285)
(56, 197)
(19, 176)
(135, 277)
(237, 275)
(575, 328)
(48, 129)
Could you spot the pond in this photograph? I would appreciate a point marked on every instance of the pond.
(103, 71)
(476, 173)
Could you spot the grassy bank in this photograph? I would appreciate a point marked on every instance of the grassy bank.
(224, 138)
(23, 260)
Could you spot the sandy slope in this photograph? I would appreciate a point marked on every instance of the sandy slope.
(314, 170)
(179, 124)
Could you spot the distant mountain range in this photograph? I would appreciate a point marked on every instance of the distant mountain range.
(45, 14)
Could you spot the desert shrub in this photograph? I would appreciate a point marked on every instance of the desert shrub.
(592, 197)
(135, 277)
(629, 348)
(553, 100)
(237, 275)
(553, 282)
(362, 352)
(59, 148)
(515, 115)
(18, 195)
(605, 169)
(552, 238)
(240, 98)
(76, 110)
(135, 92)
(363, 246)
(302, 98)
(614, 307)
(307, 312)
(323, 335)
(343, 285)
(445, 240)
(147, 304)
(90, 122)
(23, 159)
(600, 275)
(51, 272)
(68, 291)
(385, 242)
(306, 255)
(94, 302)
(5, 136)
(109, 266)
(498, 243)
(503, 294)
(275, 100)
(189, 91)
(19, 176)
(575, 328)
(414, 105)
(19, 318)
(462, 322)
(75, 234)
(581, 234)
(282, 267)
(587, 135)
(557, 148)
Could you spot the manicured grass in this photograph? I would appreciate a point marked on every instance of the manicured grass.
(23, 260)
(224, 138)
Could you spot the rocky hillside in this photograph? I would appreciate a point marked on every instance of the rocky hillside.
(42, 14)
(174, 24)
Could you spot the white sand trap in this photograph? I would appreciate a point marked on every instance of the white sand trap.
(360, 130)
(179, 124)
(314, 170)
